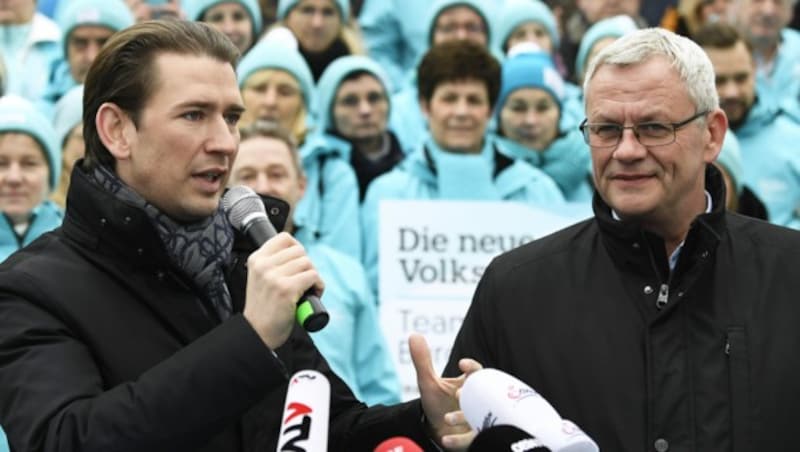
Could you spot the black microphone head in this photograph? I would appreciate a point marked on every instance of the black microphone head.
(240, 203)
(505, 438)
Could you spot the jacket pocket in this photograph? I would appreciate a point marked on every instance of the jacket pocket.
(740, 390)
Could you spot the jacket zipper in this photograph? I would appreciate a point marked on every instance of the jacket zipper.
(663, 296)
(663, 290)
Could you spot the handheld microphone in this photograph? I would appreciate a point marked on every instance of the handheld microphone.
(490, 397)
(398, 444)
(304, 424)
(505, 438)
(246, 213)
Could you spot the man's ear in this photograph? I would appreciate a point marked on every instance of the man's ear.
(717, 126)
(115, 129)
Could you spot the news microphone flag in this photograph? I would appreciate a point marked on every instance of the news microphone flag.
(304, 424)
(490, 397)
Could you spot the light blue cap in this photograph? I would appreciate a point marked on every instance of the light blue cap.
(68, 113)
(274, 54)
(195, 9)
(330, 80)
(519, 12)
(613, 27)
(730, 158)
(21, 116)
(284, 6)
(440, 6)
(112, 14)
(529, 69)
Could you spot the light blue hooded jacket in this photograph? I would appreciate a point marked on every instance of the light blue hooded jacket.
(352, 342)
(406, 119)
(324, 134)
(771, 161)
(111, 14)
(432, 173)
(329, 209)
(567, 161)
(29, 52)
(782, 87)
(20, 116)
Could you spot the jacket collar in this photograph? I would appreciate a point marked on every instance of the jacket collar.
(626, 241)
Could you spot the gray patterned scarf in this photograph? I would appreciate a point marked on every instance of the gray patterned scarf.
(201, 250)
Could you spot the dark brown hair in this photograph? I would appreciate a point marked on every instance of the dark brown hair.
(124, 71)
(454, 61)
(719, 35)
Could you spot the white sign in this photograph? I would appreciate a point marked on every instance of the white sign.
(432, 255)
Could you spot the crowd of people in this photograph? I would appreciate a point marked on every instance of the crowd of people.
(344, 104)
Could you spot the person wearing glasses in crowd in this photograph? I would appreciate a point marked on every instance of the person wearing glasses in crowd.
(664, 322)
(352, 118)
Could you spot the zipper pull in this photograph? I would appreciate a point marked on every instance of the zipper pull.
(663, 296)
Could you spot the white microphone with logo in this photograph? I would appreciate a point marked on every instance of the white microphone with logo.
(490, 398)
(304, 424)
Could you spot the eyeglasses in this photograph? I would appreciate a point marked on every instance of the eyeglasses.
(607, 135)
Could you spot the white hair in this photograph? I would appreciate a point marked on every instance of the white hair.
(689, 60)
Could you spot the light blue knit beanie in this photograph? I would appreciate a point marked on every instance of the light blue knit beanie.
(273, 54)
(613, 27)
(21, 116)
(195, 9)
(112, 14)
(68, 113)
(730, 158)
(519, 12)
(529, 69)
(284, 6)
(439, 6)
(330, 80)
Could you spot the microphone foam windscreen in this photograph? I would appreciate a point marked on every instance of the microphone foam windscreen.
(505, 438)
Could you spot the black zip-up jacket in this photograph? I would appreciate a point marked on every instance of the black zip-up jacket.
(105, 347)
(703, 358)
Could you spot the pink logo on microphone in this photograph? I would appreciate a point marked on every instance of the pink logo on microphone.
(516, 393)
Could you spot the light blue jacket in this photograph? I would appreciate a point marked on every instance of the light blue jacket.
(394, 39)
(352, 342)
(406, 118)
(46, 217)
(783, 83)
(329, 209)
(3, 442)
(771, 161)
(431, 173)
(567, 161)
(29, 52)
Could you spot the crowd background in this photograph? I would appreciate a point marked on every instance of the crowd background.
(401, 99)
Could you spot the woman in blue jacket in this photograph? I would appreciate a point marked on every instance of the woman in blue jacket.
(530, 117)
(29, 170)
(532, 21)
(458, 83)
(277, 87)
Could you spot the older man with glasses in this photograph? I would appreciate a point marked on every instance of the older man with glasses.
(664, 322)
